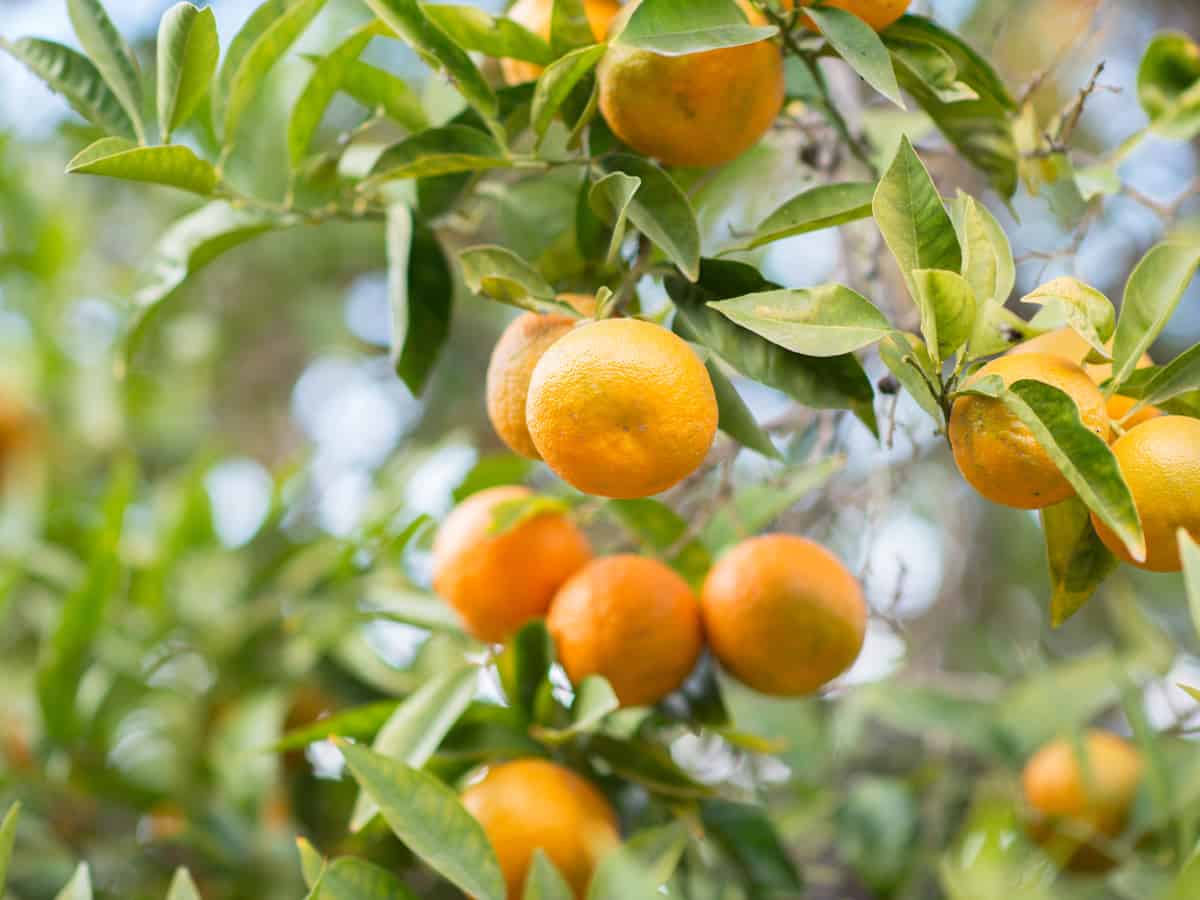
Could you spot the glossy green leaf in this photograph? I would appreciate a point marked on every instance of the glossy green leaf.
(378, 89)
(327, 77)
(408, 20)
(609, 198)
(661, 211)
(312, 864)
(859, 46)
(1087, 311)
(1079, 561)
(79, 887)
(833, 383)
(1189, 552)
(749, 840)
(914, 223)
(348, 878)
(823, 206)
(474, 29)
(110, 54)
(416, 727)
(499, 273)
(172, 165)
(1169, 85)
(508, 514)
(594, 699)
(1179, 377)
(933, 67)
(427, 816)
(990, 269)
(948, 310)
(413, 608)
(827, 320)
(524, 665)
(439, 151)
(270, 31)
(359, 723)
(544, 882)
(71, 74)
(569, 26)
(1152, 293)
(658, 528)
(620, 876)
(908, 360)
(8, 835)
(733, 415)
(678, 27)
(421, 295)
(182, 886)
(980, 129)
(188, 48)
(558, 81)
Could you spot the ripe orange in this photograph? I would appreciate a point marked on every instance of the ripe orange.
(520, 347)
(700, 109)
(535, 15)
(632, 620)
(621, 408)
(1075, 795)
(19, 429)
(998, 455)
(532, 803)
(783, 615)
(499, 582)
(879, 14)
(1067, 343)
(1160, 460)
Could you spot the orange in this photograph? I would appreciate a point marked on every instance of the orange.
(632, 620)
(879, 14)
(783, 615)
(19, 429)
(1067, 343)
(535, 15)
(1160, 460)
(520, 347)
(700, 109)
(621, 408)
(1081, 790)
(498, 582)
(998, 455)
(529, 804)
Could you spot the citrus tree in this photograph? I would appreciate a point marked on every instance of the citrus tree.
(631, 674)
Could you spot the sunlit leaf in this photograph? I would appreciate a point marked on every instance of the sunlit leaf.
(555, 84)
(859, 46)
(474, 29)
(1178, 378)
(816, 208)
(678, 27)
(111, 55)
(1152, 293)
(544, 882)
(327, 77)
(8, 835)
(1189, 552)
(173, 165)
(1087, 311)
(439, 151)
(312, 864)
(661, 211)
(621, 876)
(1079, 561)
(359, 722)
(182, 886)
(608, 199)
(79, 887)
(1169, 85)
(348, 878)
(188, 48)
(499, 273)
(948, 310)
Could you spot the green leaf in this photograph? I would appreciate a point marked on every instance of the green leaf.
(1189, 552)
(1089, 313)
(172, 165)
(510, 513)
(756, 506)
(421, 295)
(186, 247)
(1151, 295)
(1187, 883)
(906, 358)
(492, 470)
(620, 876)
(544, 881)
(524, 665)
(749, 840)
(71, 74)
(499, 273)
(678, 27)
(658, 528)
(833, 383)
(312, 864)
(474, 29)
(648, 764)
(1194, 693)
(427, 816)
(858, 44)
(823, 206)
(79, 887)
(609, 198)
(111, 56)
(827, 320)
(188, 48)
(243, 74)
(1179, 377)
(914, 223)
(8, 835)
(1079, 561)
(661, 211)
(359, 723)
(659, 849)
(327, 77)
(981, 129)
(1169, 85)
(989, 268)
(569, 27)
(413, 608)
(947, 306)
(408, 20)
(348, 878)
(378, 89)
(933, 67)
(82, 616)
(439, 151)
(594, 699)
(417, 726)
(733, 415)
(558, 81)
(182, 886)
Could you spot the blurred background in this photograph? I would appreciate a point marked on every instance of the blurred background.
(279, 455)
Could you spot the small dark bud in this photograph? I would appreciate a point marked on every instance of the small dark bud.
(1011, 334)
(888, 385)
